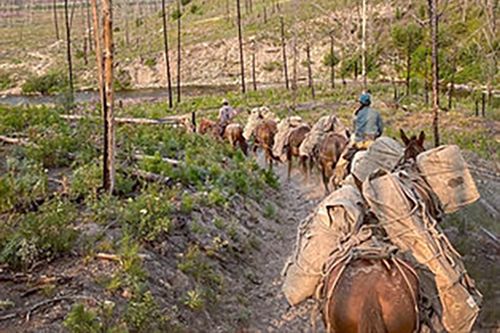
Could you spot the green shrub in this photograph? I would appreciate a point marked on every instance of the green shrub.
(195, 9)
(150, 62)
(80, 320)
(194, 300)
(272, 66)
(5, 81)
(23, 182)
(46, 233)
(143, 314)
(45, 84)
(147, 216)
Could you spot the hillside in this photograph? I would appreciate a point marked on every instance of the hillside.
(210, 48)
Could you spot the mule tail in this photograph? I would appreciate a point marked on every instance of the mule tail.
(371, 320)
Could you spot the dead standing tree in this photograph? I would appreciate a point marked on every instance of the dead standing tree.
(363, 46)
(167, 58)
(105, 79)
(309, 71)
(240, 41)
(68, 49)
(283, 47)
(56, 24)
(179, 16)
(433, 23)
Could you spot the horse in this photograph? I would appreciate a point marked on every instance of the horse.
(371, 295)
(329, 151)
(208, 126)
(295, 138)
(264, 134)
(232, 133)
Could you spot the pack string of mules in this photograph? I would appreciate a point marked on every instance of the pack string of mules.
(372, 254)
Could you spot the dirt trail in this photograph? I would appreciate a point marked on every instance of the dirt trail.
(269, 308)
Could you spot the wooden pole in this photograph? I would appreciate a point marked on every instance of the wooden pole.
(240, 41)
(283, 47)
(109, 133)
(167, 57)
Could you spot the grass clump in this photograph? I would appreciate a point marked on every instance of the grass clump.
(45, 84)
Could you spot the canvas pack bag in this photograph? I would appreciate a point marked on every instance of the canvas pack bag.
(318, 237)
(404, 217)
(446, 172)
(324, 125)
(385, 153)
(256, 116)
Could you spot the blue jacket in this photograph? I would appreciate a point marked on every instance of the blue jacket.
(367, 123)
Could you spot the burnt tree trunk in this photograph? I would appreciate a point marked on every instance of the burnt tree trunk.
(68, 49)
(98, 53)
(179, 51)
(363, 47)
(408, 71)
(109, 133)
(254, 78)
(283, 48)
(452, 86)
(332, 64)
(89, 27)
(167, 57)
(309, 71)
(483, 104)
(56, 23)
(433, 22)
(240, 41)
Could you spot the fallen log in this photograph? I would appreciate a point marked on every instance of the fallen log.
(152, 177)
(164, 159)
(140, 121)
(14, 141)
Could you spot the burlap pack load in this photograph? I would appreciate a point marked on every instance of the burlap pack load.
(446, 172)
(324, 125)
(317, 237)
(256, 116)
(408, 226)
(385, 153)
(281, 137)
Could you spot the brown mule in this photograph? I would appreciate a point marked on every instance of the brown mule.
(413, 145)
(234, 134)
(372, 296)
(264, 138)
(295, 138)
(330, 149)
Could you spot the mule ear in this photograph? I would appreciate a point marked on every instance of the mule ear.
(404, 137)
(421, 138)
